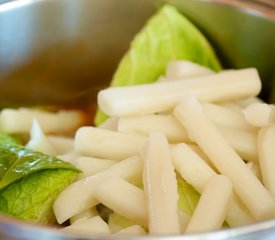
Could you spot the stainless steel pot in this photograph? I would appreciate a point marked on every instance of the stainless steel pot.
(64, 51)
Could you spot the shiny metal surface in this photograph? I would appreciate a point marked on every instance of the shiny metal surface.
(63, 51)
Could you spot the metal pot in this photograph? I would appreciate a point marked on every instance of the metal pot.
(63, 51)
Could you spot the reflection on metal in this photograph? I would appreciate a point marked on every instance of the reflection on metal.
(63, 52)
(14, 4)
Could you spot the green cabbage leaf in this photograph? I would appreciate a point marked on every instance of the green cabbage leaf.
(167, 35)
(30, 181)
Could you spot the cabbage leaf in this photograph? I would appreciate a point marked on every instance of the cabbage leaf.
(167, 35)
